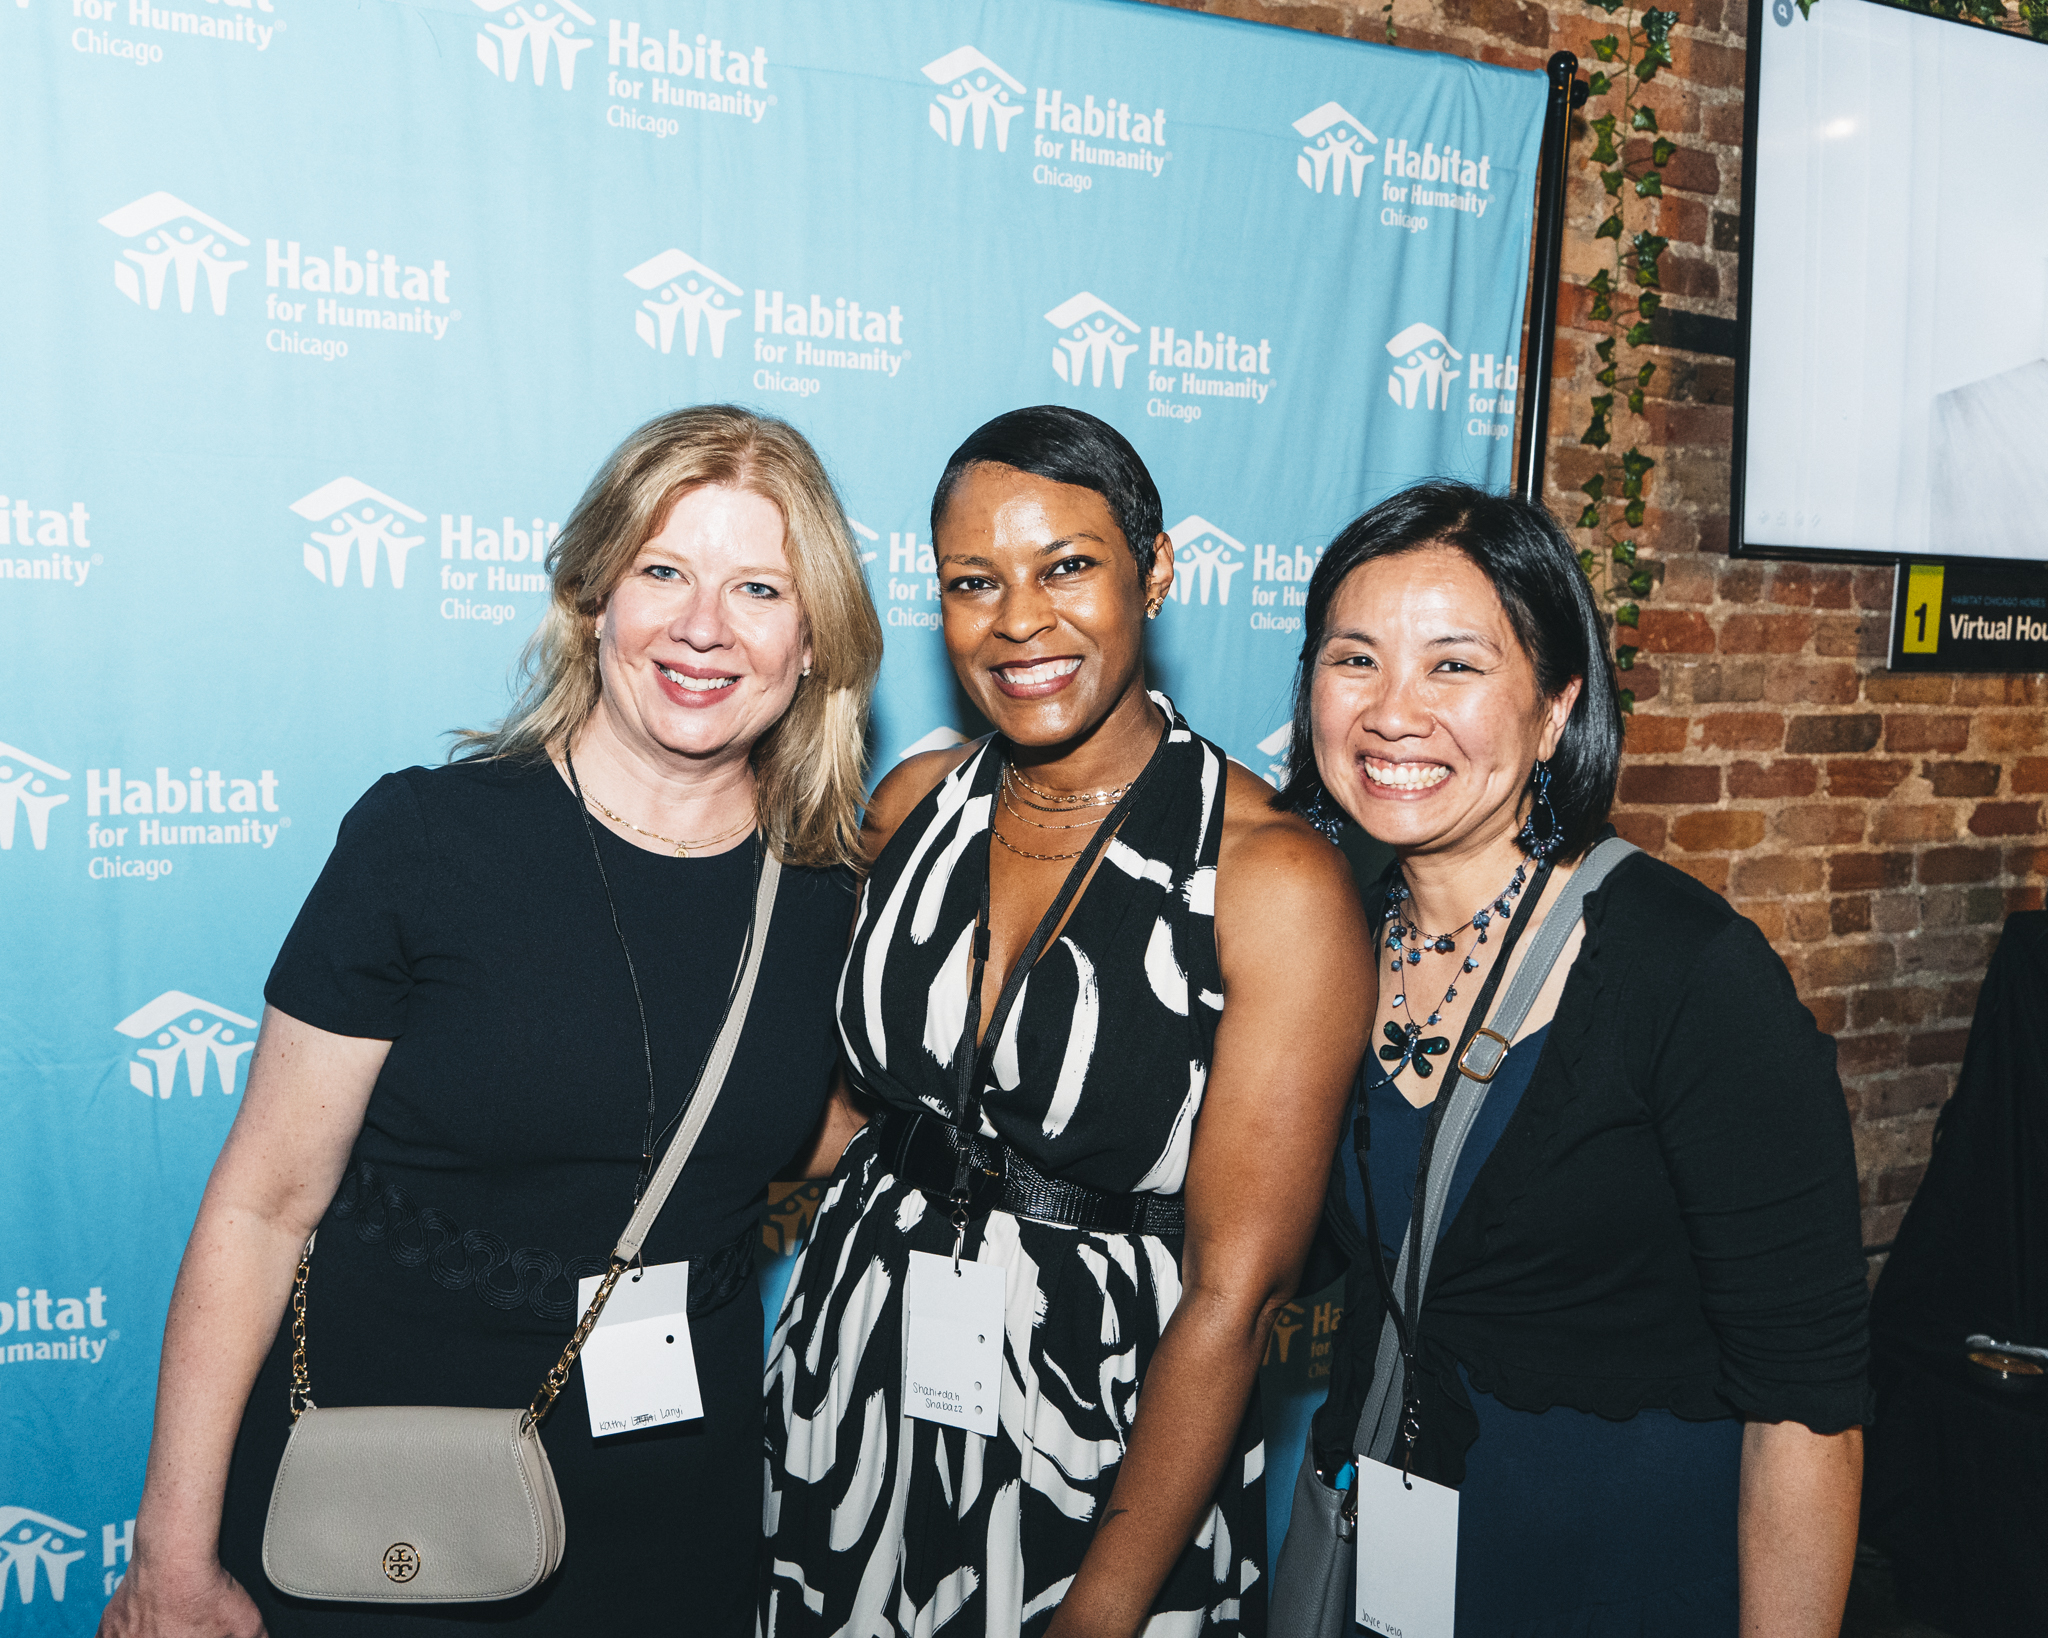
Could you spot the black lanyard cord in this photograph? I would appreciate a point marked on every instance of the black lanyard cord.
(972, 1058)
(1407, 1324)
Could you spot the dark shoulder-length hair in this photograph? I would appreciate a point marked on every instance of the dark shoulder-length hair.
(1065, 446)
(1532, 569)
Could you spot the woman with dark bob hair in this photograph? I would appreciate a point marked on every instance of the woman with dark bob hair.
(1085, 1000)
(1632, 1334)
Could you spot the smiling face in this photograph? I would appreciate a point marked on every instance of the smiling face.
(1043, 605)
(1425, 710)
(701, 644)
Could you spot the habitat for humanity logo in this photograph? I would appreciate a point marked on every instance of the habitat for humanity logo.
(207, 1041)
(1095, 334)
(175, 237)
(975, 95)
(684, 287)
(975, 98)
(32, 1542)
(1204, 558)
(536, 32)
(25, 789)
(360, 521)
(1422, 368)
(1335, 153)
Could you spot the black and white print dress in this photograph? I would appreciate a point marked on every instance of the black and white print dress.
(881, 1526)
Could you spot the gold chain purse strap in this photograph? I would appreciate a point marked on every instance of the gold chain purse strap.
(710, 1082)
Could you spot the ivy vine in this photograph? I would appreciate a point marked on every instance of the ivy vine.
(2031, 16)
(1626, 295)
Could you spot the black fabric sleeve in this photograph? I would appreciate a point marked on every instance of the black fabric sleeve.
(1755, 1135)
(346, 965)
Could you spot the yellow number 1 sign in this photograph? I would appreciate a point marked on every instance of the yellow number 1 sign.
(1922, 634)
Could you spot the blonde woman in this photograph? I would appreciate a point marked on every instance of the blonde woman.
(454, 1083)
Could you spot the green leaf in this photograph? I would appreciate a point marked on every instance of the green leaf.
(1635, 401)
(1625, 552)
(1605, 348)
(1607, 48)
(1600, 281)
(1627, 615)
(1657, 25)
(1606, 377)
(1594, 487)
(1596, 435)
(1661, 151)
(1805, 8)
(1609, 229)
(1635, 463)
(1602, 308)
(1599, 85)
(1589, 519)
(1648, 248)
(1638, 333)
(1641, 581)
(1626, 699)
(1586, 558)
(1648, 303)
(1602, 403)
(1645, 119)
(1634, 513)
(1608, 6)
(1625, 659)
(1650, 185)
(1643, 375)
(1612, 180)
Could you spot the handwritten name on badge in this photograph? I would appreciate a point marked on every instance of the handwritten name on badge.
(1407, 1554)
(953, 1342)
(638, 1368)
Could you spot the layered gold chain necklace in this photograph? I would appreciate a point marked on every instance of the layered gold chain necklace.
(1014, 788)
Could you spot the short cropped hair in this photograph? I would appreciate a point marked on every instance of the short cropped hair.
(1065, 445)
(810, 766)
(1549, 604)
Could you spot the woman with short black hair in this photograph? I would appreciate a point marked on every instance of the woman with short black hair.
(1084, 996)
(1636, 1341)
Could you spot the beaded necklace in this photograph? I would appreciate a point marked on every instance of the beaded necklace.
(1410, 1046)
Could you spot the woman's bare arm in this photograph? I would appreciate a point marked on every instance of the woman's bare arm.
(1801, 1494)
(1299, 994)
(276, 1173)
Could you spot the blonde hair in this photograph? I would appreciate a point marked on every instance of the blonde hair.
(809, 766)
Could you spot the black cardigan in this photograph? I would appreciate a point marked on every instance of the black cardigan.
(1669, 1218)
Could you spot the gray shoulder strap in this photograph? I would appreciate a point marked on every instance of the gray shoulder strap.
(1475, 1068)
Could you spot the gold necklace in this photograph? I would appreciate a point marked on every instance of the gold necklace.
(683, 849)
(1009, 807)
(1069, 799)
(1014, 848)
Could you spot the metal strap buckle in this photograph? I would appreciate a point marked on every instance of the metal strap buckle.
(1482, 1062)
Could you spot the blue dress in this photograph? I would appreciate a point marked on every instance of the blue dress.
(1569, 1525)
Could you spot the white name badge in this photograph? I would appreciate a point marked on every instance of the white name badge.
(638, 1371)
(953, 1342)
(1407, 1554)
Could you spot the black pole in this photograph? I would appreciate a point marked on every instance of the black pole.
(1565, 95)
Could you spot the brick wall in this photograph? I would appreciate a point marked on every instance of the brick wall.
(1877, 828)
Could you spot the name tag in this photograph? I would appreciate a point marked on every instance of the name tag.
(953, 1342)
(1407, 1554)
(638, 1370)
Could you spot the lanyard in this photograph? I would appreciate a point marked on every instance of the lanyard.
(976, 1051)
(1406, 1319)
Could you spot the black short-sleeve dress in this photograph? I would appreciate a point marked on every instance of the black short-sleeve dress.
(462, 917)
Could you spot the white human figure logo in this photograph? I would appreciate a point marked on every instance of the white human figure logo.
(974, 86)
(374, 527)
(219, 270)
(1095, 336)
(193, 1045)
(384, 530)
(1423, 358)
(25, 789)
(1205, 559)
(154, 260)
(700, 303)
(30, 1540)
(174, 235)
(1336, 148)
(541, 29)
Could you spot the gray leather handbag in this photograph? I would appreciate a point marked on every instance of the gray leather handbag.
(1313, 1593)
(433, 1504)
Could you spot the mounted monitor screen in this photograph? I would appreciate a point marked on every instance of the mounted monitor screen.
(1894, 391)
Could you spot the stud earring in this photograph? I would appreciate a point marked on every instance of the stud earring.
(1152, 608)
(806, 670)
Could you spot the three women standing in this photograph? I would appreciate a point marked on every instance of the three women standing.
(1088, 993)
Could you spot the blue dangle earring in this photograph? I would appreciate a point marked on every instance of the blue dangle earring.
(1540, 844)
(1327, 817)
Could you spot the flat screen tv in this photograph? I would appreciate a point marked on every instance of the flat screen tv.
(1892, 390)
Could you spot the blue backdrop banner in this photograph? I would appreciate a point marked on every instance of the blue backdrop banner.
(319, 318)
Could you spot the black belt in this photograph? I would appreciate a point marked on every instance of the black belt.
(925, 1152)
